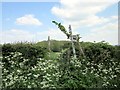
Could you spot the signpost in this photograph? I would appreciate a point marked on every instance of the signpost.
(73, 38)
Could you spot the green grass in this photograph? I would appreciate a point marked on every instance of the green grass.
(53, 55)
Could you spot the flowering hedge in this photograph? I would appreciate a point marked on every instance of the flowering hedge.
(101, 71)
(18, 74)
(50, 74)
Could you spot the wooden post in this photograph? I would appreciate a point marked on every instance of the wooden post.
(49, 44)
(80, 48)
(71, 38)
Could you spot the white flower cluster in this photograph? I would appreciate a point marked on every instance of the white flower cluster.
(107, 71)
(46, 72)
(41, 75)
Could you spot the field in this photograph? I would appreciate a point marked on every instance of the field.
(32, 65)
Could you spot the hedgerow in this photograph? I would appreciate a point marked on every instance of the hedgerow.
(99, 69)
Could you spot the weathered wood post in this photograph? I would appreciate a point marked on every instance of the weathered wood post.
(80, 48)
(49, 44)
(71, 38)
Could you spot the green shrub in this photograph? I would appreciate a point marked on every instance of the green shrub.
(99, 69)
(21, 75)
(24, 66)
(28, 50)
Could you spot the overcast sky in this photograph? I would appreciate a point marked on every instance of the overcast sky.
(94, 20)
